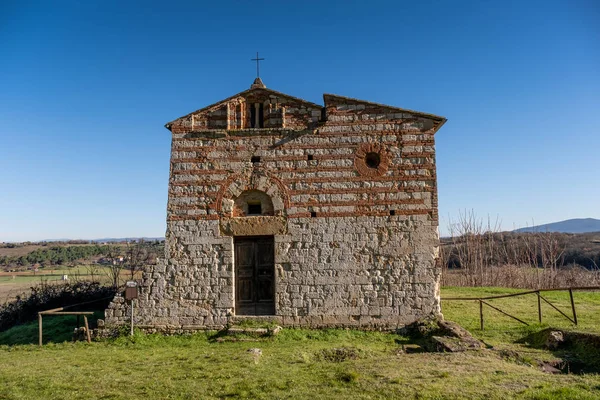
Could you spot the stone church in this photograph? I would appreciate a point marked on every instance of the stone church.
(299, 213)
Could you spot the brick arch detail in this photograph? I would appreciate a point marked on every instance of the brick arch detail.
(254, 179)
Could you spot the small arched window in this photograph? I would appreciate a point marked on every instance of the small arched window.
(257, 115)
(253, 203)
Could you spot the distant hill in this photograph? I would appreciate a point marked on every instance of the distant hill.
(104, 240)
(577, 225)
(107, 240)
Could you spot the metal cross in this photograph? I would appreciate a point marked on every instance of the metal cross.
(257, 61)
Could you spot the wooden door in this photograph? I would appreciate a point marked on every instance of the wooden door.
(254, 275)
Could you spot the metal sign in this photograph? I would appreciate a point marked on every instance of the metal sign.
(131, 290)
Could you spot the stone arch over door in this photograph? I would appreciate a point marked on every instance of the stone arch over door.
(249, 180)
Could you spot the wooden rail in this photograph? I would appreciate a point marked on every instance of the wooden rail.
(61, 311)
(482, 301)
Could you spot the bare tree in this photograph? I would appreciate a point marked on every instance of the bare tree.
(92, 270)
(115, 264)
(138, 255)
(474, 246)
(479, 254)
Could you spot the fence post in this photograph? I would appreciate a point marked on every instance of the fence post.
(40, 328)
(573, 306)
(481, 314)
(87, 329)
(539, 306)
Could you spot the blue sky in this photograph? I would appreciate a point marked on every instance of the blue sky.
(86, 88)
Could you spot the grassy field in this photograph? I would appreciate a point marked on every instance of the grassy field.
(301, 364)
(16, 283)
(12, 285)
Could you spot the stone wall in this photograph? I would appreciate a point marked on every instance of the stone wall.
(353, 212)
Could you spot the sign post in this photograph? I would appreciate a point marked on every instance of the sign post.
(131, 293)
(132, 301)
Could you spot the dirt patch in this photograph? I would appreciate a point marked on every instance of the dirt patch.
(564, 367)
(339, 354)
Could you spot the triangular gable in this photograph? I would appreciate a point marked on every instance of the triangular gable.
(246, 93)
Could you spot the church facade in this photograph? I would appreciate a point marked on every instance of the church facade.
(300, 213)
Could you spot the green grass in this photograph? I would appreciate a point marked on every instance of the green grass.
(54, 273)
(191, 367)
(296, 364)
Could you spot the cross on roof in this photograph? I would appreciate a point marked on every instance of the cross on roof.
(257, 66)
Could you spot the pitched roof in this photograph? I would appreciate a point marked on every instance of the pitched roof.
(327, 97)
(254, 88)
(259, 87)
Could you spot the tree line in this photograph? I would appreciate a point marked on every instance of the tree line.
(70, 255)
(55, 255)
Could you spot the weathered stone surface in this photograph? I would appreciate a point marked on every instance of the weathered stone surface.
(253, 226)
(255, 351)
(355, 234)
(554, 340)
(454, 344)
(455, 339)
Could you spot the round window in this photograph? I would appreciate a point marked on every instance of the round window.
(372, 160)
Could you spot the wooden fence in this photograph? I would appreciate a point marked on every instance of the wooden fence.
(482, 301)
(61, 311)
